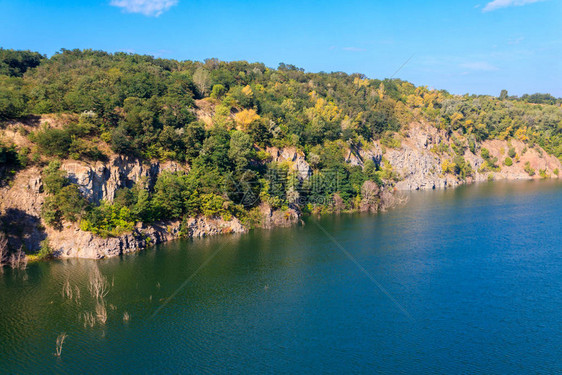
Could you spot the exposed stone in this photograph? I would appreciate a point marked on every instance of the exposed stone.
(74, 243)
(100, 181)
(278, 218)
(296, 158)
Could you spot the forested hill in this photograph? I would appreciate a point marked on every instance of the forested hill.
(218, 119)
(146, 105)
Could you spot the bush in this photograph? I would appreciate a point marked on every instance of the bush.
(508, 162)
(389, 140)
(54, 179)
(530, 171)
(108, 220)
(10, 161)
(52, 142)
(511, 152)
(45, 250)
(65, 201)
(212, 205)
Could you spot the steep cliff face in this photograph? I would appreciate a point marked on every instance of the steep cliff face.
(421, 167)
(296, 159)
(20, 206)
(99, 181)
(418, 167)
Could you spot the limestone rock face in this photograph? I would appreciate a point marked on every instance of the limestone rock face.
(419, 169)
(358, 156)
(278, 218)
(71, 242)
(100, 181)
(202, 227)
(297, 159)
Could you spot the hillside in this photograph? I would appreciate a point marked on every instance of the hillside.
(107, 153)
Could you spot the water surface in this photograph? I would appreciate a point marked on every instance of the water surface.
(478, 270)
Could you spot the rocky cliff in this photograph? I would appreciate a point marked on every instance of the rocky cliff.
(21, 202)
(418, 162)
(99, 181)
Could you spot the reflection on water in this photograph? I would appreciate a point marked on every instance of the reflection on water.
(479, 268)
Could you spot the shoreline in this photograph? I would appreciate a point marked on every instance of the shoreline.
(299, 220)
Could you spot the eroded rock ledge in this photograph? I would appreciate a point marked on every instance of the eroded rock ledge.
(75, 243)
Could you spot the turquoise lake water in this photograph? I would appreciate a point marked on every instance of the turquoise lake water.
(458, 281)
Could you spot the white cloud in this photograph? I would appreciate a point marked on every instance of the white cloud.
(497, 4)
(479, 66)
(151, 8)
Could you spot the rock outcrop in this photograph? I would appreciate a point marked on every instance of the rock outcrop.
(420, 166)
(278, 218)
(99, 181)
(72, 242)
(295, 158)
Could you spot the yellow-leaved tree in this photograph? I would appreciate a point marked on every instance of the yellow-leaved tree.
(245, 118)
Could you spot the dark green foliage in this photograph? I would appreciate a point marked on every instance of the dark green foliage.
(67, 204)
(170, 194)
(54, 179)
(74, 141)
(10, 162)
(511, 153)
(241, 149)
(108, 220)
(13, 98)
(16, 63)
(65, 201)
(530, 171)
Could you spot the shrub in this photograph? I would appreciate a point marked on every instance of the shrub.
(10, 161)
(530, 171)
(508, 162)
(390, 140)
(54, 179)
(52, 142)
(45, 250)
(511, 152)
(65, 201)
(108, 220)
(211, 205)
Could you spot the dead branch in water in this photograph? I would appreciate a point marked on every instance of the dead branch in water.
(101, 312)
(126, 316)
(59, 343)
(18, 260)
(76, 294)
(89, 319)
(67, 290)
(98, 285)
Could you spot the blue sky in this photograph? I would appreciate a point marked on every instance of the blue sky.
(461, 46)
